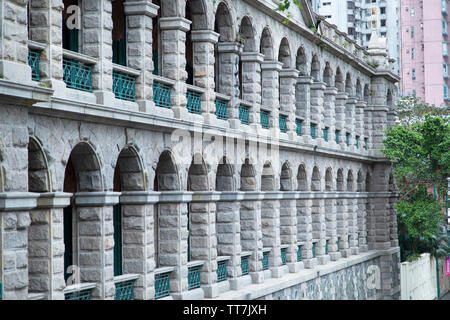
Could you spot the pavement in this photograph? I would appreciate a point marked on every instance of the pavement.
(446, 297)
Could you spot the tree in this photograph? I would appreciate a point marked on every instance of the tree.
(419, 148)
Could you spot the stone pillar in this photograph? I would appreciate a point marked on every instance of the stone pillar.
(342, 225)
(173, 236)
(203, 42)
(14, 221)
(353, 223)
(393, 216)
(14, 42)
(173, 60)
(270, 95)
(317, 106)
(319, 229)
(305, 231)
(370, 221)
(229, 77)
(332, 229)
(46, 246)
(303, 101)
(288, 229)
(359, 122)
(139, 44)
(95, 240)
(330, 112)
(204, 241)
(251, 233)
(138, 239)
(341, 100)
(368, 126)
(362, 222)
(288, 82)
(251, 82)
(350, 120)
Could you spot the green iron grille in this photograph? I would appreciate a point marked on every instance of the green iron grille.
(313, 131)
(194, 102)
(221, 109)
(347, 139)
(33, 62)
(298, 129)
(299, 253)
(162, 285)
(357, 142)
(264, 119)
(244, 114)
(365, 143)
(77, 75)
(125, 290)
(162, 95)
(338, 245)
(283, 256)
(244, 265)
(194, 277)
(265, 260)
(78, 295)
(337, 132)
(282, 122)
(326, 247)
(124, 86)
(221, 271)
(314, 250)
(325, 134)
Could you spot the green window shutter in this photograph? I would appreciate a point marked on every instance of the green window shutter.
(117, 221)
(68, 234)
(120, 52)
(70, 39)
(155, 62)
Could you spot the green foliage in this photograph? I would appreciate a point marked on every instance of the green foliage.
(411, 109)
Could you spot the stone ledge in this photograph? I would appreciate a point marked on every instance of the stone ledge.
(18, 201)
(53, 200)
(87, 199)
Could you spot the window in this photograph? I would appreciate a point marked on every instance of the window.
(313, 131)
(336, 136)
(445, 70)
(347, 139)
(119, 44)
(298, 129)
(445, 49)
(412, 31)
(69, 35)
(444, 27)
(413, 53)
(325, 134)
(412, 11)
(413, 74)
(445, 92)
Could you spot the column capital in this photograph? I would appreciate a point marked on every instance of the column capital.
(305, 80)
(271, 65)
(318, 86)
(175, 23)
(140, 8)
(18, 201)
(230, 47)
(289, 73)
(252, 57)
(332, 91)
(139, 197)
(361, 103)
(342, 96)
(204, 36)
(352, 100)
(90, 199)
(54, 200)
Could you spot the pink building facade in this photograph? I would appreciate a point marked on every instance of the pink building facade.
(424, 50)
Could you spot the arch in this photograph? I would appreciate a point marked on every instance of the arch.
(248, 176)
(392, 183)
(302, 179)
(315, 68)
(302, 62)
(266, 45)
(328, 75)
(368, 182)
(198, 174)
(315, 180)
(38, 174)
(169, 8)
(267, 177)
(389, 98)
(358, 89)
(349, 84)
(223, 23)
(340, 180)
(129, 172)
(286, 177)
(366, 93)
(284, 53)
(350, 184)
(156, 39)
(85, 167)
(329, 180)
(166, 177)
(247, 31)
(225, 176)
(339, 80)
(359, 182)
(197, 11)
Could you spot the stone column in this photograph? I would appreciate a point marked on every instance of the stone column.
(288, 82)
(350, 120)
(362, 225)
(305, 231)
(203, 42)
(341, 100)
(342, 225)
(319, 229)
(270, 94)
(139, 44)
(95, 240)
(330, 112)
(288, 229)
(229, 77)
(138, 242)
(251, 233)
(368, 126)
(353, 223)
(251, 82)
(359, 122)
(303, 101)
(204, 241)
(46, 246)
(173, 236)
(13, 42)
(14, 221)
(317, 106)
(173, 60)
(332, 228)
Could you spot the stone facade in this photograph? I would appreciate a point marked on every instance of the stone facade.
(194, 189)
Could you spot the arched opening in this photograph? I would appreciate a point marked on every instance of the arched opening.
(284, 54)
(266, 46)
(223, 26)
(339, 80)
(350, 185)
(82, 174)
(315, 180)
(225, 176)
(70, 32)
(328, 75)
(302, 62)
(38, 176)
(315, 68)
(302, 179)
(128, 176)
(267, 178)
(368, 182)
(119, 31)
(349, 85)
(358, 89)
(247, 32)
(389, 98)
(248, 176)
(366, 93)
(359, 182)
(340, 180)
(286, 183)
(328, 180)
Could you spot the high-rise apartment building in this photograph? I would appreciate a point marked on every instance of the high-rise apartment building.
(359, 17)
(424, 49)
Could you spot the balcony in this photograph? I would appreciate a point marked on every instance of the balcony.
(162, 89)
(124, 82)
(244, 114)
(194, 100)
(80, 291)
(265, 259)
(33, 62)
(222, 106)
(265, 115)
(162, 282)
(282, 123)
(244, 263)
(222, 268)
(194, 274)
(77, 70)
(283, 254)
(125, 286)
(298, 129)
(299, 253)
